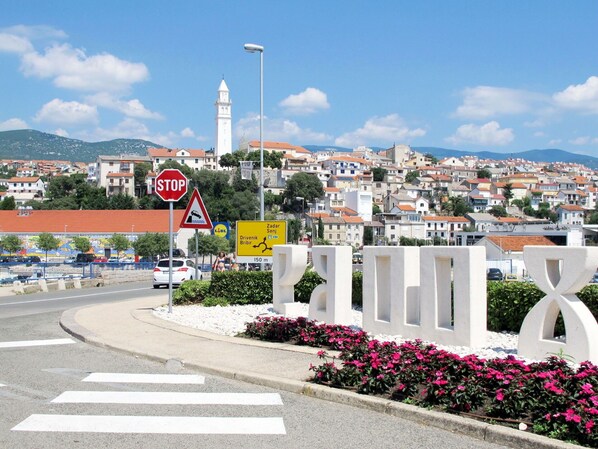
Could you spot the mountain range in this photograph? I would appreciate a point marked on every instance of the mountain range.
(28, 144)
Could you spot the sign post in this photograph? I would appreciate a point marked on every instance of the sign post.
(171, 186)
(196, 217)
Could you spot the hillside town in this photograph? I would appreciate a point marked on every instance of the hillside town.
(395, 196)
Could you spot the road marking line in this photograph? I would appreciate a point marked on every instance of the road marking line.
(152, 424)
(69, 297)
(26, 343)
(143, 397)
(145, 378)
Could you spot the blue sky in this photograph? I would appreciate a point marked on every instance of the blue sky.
(475, 75)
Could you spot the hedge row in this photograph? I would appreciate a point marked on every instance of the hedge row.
(508, 302)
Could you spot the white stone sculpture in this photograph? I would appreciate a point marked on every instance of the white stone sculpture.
(560, 273)
(407, 292)
(288, 266)
(331, 302)
(391, 290)
(461, 320)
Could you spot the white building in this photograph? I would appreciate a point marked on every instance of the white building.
(223, 105)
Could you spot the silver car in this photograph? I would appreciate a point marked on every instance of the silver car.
(182, 270)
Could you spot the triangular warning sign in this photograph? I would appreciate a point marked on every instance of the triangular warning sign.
(196, 216)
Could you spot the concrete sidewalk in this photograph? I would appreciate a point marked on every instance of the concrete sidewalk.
(131, 327)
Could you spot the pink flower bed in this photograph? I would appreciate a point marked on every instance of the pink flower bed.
(551, 397)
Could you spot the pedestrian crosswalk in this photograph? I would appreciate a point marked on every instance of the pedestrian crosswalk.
(139, 424)
(29, 343)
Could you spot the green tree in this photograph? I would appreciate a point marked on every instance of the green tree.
(379, 173)
(95, 199)
(376, 209)
(185, 169)
(456, 206)
(498, 211)
(47, 242)
(507, 192)
(433, 159)
(484, 173)
(239, 184)
(8, 203)
(82, 244)
(151, 245)
(122, 201)
(208, 245)
(119, 242)
(368, 235)
(140, 173)
(517, 203)
(593, 218)
(320, 228)
(304, 185)
(411, 176)
(293, 230)
(11, 243)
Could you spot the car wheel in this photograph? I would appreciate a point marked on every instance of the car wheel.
(156, 286)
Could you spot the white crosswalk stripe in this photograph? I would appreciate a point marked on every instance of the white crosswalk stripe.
(152, 424)
(145, 378)
(165, 398)
(28, 343)
(140, 424)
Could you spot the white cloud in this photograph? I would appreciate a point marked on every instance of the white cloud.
(581, 97)
(132, 108)
(131, 129)
(9, 43)
(539, 134)
(32, 32)
(554, 142)
(487, 134)
(382, 130)
(71, 68)
(309, 101)
(483, 102)
(61, 132)
(187, 132)
(64, 113)
(12, 124)
(582, 140)
(280, 130)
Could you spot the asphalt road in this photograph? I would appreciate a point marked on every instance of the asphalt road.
(46, 403)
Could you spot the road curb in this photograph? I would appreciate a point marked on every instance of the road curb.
(466, 426)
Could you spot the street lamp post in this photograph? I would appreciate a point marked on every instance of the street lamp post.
(253, 48)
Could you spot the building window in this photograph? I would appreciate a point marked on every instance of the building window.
(338, 236)
(392, 227)
(338, 227)
(197, 161)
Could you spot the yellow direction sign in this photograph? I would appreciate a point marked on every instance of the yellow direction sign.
(255, 239)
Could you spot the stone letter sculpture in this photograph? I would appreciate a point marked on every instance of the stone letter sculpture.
(465, 324)
(331, 302)
(391, 290)
(560, 273)
(289, 262)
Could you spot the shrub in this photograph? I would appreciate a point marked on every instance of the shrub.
(213, 301)
(306, 285)
(242, 287)
(510, 302)
(191, 292)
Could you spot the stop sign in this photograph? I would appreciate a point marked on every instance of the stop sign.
(171, 184)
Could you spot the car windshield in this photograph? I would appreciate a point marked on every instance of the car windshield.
(175, 263)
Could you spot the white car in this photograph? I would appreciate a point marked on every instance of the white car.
(183, 270)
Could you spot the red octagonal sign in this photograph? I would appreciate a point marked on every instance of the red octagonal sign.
(171, 184)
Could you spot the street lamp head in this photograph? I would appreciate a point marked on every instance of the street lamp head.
(252, 48)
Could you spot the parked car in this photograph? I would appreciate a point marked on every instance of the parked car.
(84, 258)
(182, 270)
(594, 279)
(510, 277)
(69, 260)
(100, 259)
(494, 274)
(113, 259)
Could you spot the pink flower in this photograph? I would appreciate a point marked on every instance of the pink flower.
(499, 395)
(570, 415)
(589, 426)
(587, 389)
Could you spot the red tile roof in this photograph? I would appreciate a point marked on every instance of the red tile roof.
(88, 221)
(517, 242)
